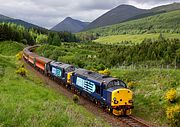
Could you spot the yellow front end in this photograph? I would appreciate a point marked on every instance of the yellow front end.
(69, 77)
(121, 101)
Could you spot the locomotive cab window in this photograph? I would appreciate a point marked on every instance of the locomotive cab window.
(71, 68)
(116, 83)
(97, 89)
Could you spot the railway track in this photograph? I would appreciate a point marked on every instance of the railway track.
(132, 121)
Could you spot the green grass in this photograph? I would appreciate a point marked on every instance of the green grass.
(149, 91)
(26, 101)
(10, 47)
(138, 38)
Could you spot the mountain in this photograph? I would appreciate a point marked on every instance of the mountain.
(167, 8)
(116, 15)
(124, 13)
(2, 17)
(19, 22)
(70, 25)
(160, 23)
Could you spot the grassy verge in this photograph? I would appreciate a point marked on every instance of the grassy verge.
(132, 39)
(10, 48)
(149, 87)
(26, 101)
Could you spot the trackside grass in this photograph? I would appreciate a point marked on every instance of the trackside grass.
(150, 87)
(26, 101)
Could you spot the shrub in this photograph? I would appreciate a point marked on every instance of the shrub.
(171, 95)
(22, 65)
(131, 84)
(105, 72)
(100, 67)
(75, 98)
(173, 115)
(21, 71)
(19, 56)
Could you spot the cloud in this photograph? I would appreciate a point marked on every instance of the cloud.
(48, 13)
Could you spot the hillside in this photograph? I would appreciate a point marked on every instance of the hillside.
(150, 87)
(164, 22)
(124, 13)
(19, 22)
(2, 17)
(133, 39)
(167, 8)
(27, 101)
(116, 15)
(70, 25)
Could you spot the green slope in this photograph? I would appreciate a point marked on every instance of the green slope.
(149, 87)
(10, 48)
(165, 22)
(133, 39)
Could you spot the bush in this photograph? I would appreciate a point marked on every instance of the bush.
(105, 72)
(21, 71)
(19, 56)
(100, 67)
(171, 95)
(75, 98)
(131, 84)
(173, 115)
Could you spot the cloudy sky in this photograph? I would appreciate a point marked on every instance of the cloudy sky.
(47, 13)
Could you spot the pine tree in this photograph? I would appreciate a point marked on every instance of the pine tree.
(56, 39)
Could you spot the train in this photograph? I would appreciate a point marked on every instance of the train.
(110, 93)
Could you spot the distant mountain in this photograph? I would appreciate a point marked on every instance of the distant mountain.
(160, 23)
(2, 17)
(124, 13)
(167, 8)
(158, 10)
(116, 15)
(19, 22)
(70, 25)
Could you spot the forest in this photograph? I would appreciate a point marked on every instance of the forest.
(14, 32)
(91, 55)
(97, 56)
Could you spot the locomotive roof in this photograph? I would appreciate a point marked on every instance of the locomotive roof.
(60, 64)
(95, 76)
(43, 59)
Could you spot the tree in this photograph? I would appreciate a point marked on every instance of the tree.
(41, 38)
(56, 40)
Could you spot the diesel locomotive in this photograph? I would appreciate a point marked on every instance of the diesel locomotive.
(110, 93)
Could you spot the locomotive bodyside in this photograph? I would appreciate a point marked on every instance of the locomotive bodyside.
(60, 70)
(87, 85)
(108, 91)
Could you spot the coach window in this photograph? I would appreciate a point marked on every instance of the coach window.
(97, 89)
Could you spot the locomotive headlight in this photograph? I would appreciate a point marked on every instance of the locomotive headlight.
(115, 101)
(130, 101)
